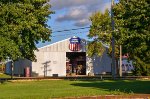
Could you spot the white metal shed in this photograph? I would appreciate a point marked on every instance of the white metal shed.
(62, 59)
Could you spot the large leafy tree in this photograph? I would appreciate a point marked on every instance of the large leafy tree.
(132, 31)
(133, 23)
(100, 33)
(22, 25)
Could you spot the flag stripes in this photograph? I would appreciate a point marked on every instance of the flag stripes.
(74, 47)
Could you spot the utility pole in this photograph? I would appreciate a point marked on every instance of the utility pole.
(12, 69)
(120, 64)
(113, 41)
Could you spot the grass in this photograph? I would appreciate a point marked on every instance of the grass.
(2, 75)
(64, 88)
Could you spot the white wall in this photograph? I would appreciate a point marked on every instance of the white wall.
(99, 65)
(61, 46)
(56, 63)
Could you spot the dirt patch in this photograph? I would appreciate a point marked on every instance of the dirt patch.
(134, 96)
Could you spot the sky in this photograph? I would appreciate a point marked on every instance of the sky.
(72, 14)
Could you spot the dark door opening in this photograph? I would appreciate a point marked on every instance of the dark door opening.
(76, 63)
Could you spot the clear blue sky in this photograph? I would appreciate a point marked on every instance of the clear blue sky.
(70, 14)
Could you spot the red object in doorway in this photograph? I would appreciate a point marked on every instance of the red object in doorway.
(27, 72)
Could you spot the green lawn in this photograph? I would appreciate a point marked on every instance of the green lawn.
(4, 75)
(65, 88)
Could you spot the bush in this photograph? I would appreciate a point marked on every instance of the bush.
(141, 68)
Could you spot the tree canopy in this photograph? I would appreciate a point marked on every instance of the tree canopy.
(133, 17)
(22, 25)
(100, 32)
(132, 29)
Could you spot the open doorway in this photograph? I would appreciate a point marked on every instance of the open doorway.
(76, 63)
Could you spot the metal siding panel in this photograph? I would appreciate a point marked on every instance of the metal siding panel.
(63, 46)
(37, 66)
(102, 64)
(54, 46)
(17, 67)
(89, 65)
(57, 55)
(57, 63)
(8, 68)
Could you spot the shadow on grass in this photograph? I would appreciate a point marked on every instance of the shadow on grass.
(125, 86)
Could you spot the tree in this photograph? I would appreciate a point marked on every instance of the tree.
(133, 24)
(100, 32)
(132, 29)
(22, 25)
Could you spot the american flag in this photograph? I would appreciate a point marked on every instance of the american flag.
(74, 46)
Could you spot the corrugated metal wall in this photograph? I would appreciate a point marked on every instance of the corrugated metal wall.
(51, 59)
(102, 64)
(62, 46)
(50, 63)
(55, 54)
(19, 66)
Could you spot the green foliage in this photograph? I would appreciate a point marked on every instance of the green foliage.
(133, 23)
(95, 48)
(22, 25)
(141, 69)
(99, 32)
(132, 30)
(101, 27)
(134, 19)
